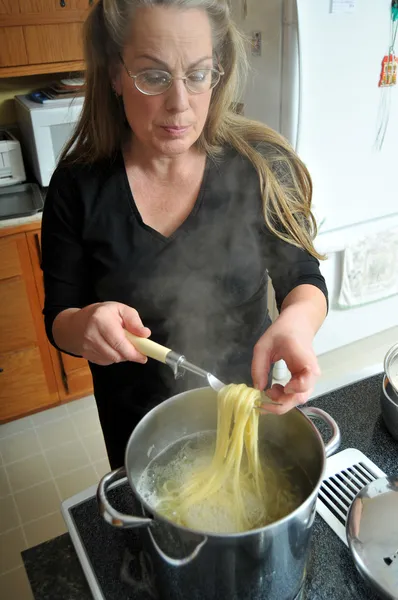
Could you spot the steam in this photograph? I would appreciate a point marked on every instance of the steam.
(205, 278)
(203, 292)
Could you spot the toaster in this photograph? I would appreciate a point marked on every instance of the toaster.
(12, 169)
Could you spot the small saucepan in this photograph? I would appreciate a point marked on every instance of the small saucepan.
(389, 393)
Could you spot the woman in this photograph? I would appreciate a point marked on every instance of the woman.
(166, 212)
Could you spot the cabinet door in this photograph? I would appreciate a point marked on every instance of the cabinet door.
(51, 6)
(17, 328)
(60, 42)
(72, 374)
(23, 384)
(27, 380)
(38, 6)
(12, 47)
(9, 7)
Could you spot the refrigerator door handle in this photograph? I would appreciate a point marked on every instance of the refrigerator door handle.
(290, 74)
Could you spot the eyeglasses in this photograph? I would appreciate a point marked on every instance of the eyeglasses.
(153, 82)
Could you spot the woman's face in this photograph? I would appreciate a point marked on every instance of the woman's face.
(173, 40)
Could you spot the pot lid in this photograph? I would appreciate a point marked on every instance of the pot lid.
(391, 366)
(372, 534)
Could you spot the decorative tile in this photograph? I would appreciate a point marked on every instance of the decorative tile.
(8, 514)
(37, 501)
(4, 485)
(56, 432)
(11, 545)
(44, 529)
(30, 471)
(15, 585)
(15, 426)
(19, 446)
(77, 481)
(102, 467)
(83, 404)
(95, 446)
(49, 415)
(86, 422)
(66, 458)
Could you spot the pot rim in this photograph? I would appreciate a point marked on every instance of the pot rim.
(152, 511)
(385, 383)
(390, 357)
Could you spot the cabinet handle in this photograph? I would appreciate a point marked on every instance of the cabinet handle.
(62, 3)
(1, 370)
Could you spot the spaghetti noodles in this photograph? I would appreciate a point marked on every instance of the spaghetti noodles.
(233, 492)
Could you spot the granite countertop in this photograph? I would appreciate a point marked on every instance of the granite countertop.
(19, 221)
(55, 572)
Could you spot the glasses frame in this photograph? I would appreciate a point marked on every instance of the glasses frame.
(218, 70)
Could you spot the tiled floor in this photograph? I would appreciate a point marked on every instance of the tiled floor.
(43, 460)
(56, 453)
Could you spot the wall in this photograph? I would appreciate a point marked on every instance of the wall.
(262, 95)
(10, 87)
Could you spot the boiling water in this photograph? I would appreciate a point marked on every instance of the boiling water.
(175, 466)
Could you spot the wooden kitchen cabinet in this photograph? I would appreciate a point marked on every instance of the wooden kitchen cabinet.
(41, 36)
(72, 374)
(27, 378)
(33, 374)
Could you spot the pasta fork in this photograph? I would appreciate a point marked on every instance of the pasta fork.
(178, 363)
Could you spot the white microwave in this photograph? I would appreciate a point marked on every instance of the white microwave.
(45, 129)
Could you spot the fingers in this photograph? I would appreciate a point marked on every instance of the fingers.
(261, 364)
(132, 321)
(288, 401)
(119, 347)
(105, 341)
(303, 381)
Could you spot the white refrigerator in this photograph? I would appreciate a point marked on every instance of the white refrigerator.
(315, 70)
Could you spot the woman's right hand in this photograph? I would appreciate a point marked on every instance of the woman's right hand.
(96, 332)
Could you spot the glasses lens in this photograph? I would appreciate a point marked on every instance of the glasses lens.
(153, 82)
(202, 80)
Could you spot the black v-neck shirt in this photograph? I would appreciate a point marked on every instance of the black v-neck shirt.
(202, 291)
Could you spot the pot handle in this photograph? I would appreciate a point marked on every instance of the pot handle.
(334, 443)
(110, 514)
(177, 562)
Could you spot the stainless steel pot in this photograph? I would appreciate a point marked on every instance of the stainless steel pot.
(389, 393)
(267, 563)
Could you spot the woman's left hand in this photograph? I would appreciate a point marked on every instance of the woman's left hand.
(284, 340)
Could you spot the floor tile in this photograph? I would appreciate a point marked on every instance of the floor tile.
(19, 446)
(95, 446)
(102, 467)
(83, 404)
(15, 426)
(30, 471)
(77, 481)
(4, 485)
(11, 545)
(56, 433)
(15, 585)
(44, 529)
(37, 501)
(8, 514)
(86, 422)
(67, 457)
(49, 415)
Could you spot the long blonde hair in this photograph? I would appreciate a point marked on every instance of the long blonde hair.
(284, 179)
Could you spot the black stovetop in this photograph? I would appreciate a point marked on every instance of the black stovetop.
(123, 574)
